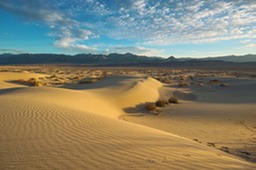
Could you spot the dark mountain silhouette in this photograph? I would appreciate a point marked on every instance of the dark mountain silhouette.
(233, 58)
(113, 58)
(128, 59)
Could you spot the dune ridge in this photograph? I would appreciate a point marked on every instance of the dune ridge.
(60, 128)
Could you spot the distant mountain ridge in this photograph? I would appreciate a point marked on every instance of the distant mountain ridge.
(118, 59)
(234, 58)
(112, 58)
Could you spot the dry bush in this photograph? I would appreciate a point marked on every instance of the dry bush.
(183, 77)
(224, 85)
(29, 82)
(183, 84)
(213, 82)
(41, 78)
(53, 76)
(191, 77)
(150, 106)
(37, 83)
(173, 100)
(34, 82)
(197, 84)
(75, 78)
(161, 103)
(163, 80)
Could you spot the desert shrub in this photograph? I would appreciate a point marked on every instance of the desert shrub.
(164, 80)
(53, 76)
(37, 83)
(161, 103)
(41, 78)
(34, 82)
(182, 77)
(210, 144)
(191, 77)
(224, 85)
(173, 100)
(214, 82)
(183, 84)
(150, 106)
(197, 84)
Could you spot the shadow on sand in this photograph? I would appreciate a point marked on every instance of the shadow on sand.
(112, 81)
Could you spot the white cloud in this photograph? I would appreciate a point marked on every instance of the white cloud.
(68, 32)
(71, 44)
(154, 23)
(73, 40)
(245, 41)
(251, 45)
(140, 6)
(186, 21)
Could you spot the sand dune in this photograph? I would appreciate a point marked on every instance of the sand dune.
(78, 128)
(212, 115)
(9, 76)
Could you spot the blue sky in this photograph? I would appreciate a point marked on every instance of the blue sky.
(183, 28)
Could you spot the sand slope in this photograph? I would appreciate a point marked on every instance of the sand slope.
(224, 116)
(58, 128)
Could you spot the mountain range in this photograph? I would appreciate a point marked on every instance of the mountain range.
(115, 59)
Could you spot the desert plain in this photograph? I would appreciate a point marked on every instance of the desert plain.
(74, 117)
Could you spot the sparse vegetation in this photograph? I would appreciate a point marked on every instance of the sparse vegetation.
(161, 103)
(211, 144)
(183, 84)
(34, 82)
(150, 106)
(170, 77)
(53, 76)
(164, 80)
(214, 82)
(173, 100)
(224, 85)
(197, 84)
(30, 82)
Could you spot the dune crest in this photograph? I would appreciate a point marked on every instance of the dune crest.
(145, 90)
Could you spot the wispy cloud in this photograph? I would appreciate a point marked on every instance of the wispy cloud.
(249, 43)
(73, 45)
(36, 11)
(72, 39)
(68, 32)
(149, 23)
